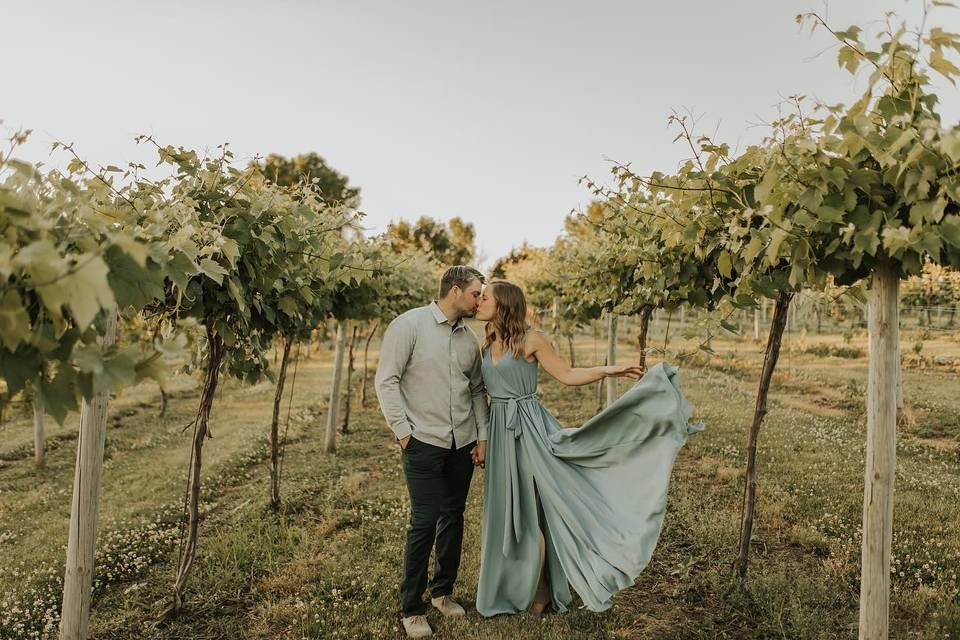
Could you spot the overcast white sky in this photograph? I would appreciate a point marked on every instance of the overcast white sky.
(485, 110)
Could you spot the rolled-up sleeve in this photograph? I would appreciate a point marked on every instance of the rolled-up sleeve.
(478, 393)
(398, 343)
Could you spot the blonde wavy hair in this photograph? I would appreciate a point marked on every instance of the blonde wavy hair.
(510, 321)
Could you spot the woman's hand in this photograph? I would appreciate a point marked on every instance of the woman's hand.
(624, 371)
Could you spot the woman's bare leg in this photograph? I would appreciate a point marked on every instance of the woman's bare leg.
(542, 597)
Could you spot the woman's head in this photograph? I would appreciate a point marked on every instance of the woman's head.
(504, 308)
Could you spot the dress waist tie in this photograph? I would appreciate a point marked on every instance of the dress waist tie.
(512, 518)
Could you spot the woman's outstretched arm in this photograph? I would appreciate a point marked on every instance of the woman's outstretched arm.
(538, 345)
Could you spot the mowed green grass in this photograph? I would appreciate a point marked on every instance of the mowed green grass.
(327, 566)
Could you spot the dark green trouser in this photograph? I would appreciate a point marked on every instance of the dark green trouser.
(438, 480)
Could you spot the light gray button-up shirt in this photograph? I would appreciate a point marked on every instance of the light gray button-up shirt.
(428, 380)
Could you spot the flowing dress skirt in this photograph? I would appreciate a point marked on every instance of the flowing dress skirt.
(598, 491)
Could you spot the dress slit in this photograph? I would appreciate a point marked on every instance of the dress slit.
(544, 567)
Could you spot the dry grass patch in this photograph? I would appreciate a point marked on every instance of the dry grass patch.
(809, 539)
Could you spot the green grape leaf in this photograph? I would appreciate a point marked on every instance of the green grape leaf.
(133, 285)
(14, 320)
(84, 290)
(212, 270)
(950, 228)
(944, 67)
(896, 239)
(59, 394)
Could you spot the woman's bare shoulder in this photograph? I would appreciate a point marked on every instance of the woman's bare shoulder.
(533, 341)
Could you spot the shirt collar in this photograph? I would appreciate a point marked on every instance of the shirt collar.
(441, 317)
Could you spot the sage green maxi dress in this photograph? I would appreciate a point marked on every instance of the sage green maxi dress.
(602, 488)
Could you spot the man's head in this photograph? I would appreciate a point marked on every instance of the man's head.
(460, 289)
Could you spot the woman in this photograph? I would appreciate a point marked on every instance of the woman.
(576, 507)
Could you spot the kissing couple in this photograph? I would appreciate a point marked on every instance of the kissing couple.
(563, 508)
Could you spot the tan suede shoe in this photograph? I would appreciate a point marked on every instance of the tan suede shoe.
(448, 606)
(417, 627)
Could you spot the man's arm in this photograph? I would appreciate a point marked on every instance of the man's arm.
(478, 394)
(398, 342)
(480, 411)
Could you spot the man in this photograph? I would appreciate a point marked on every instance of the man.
(431, 392)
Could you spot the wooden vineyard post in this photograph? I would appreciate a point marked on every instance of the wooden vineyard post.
(344, 427)
(366, 355)
(901, 409)
(39, 442)
(595, 330)
(333, 410)
(82, 536)
(880, 464)
(611, 357)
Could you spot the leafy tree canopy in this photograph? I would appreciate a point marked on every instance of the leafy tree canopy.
(448, 244)
(310, 167)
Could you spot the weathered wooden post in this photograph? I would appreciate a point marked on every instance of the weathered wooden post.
(82, 537)
(883, 324)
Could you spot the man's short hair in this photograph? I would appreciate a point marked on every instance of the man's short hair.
(460, 276)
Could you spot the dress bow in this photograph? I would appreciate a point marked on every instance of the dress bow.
(512, 421)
